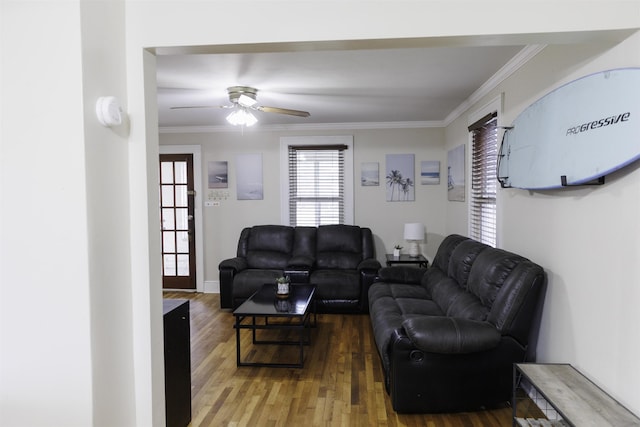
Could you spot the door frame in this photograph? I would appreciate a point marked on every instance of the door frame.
(194, 150)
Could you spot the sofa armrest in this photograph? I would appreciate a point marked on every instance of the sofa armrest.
(368, 269)
(228, 268)
(236, 264)
(450, 335)
(401, 274)
(370, 264)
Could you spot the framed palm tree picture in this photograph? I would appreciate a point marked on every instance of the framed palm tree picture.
(400, 177)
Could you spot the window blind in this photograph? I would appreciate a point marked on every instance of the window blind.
(484, 160)
(316, 185)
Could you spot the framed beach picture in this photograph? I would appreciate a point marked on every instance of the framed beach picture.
(217, 173)
(430, 172)
(455, 174)
(249, 177)
(400, 177)
(370, 174)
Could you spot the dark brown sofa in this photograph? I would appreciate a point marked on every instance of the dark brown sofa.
(338, 259)
(448, 336)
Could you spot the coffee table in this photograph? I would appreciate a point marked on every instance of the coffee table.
(264, 310)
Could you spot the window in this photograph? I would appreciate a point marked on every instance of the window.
(317, 180)
(316, 184)
(484, 160)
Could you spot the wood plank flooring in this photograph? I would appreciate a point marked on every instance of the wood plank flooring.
(340, 385)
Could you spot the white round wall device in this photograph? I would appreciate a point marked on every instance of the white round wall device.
(108, 111)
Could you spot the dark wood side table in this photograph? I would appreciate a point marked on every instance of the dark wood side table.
(407, 259)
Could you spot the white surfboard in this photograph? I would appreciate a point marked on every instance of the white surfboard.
(576, 134)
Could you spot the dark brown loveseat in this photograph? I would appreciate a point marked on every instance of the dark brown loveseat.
(338, 259)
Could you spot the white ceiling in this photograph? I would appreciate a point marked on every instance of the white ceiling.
(416, 84)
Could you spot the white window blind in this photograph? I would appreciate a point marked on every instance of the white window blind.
(316, 185)
(484, 160)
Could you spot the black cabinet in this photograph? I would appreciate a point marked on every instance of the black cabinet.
(177, 362)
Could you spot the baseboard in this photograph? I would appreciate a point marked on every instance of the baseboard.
(211, 286)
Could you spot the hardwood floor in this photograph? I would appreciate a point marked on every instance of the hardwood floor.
(340, 385)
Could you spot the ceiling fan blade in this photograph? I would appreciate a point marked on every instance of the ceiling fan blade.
(284, 111)
(201, 106)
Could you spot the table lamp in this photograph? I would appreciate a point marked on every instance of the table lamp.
(414, 233)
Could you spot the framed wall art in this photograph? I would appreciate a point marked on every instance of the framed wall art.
(455, 174)
(370, 174)
(430, 172)
(400, 177)
(249, 184)
(218, 174)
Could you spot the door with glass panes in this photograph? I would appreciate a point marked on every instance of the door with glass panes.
(177, 198)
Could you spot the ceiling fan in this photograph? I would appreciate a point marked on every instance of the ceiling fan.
(243, 99)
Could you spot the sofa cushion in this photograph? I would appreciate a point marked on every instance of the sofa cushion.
(267, 260)
(467, 306)
(489, 273)
(336, 284)
(519, 290)
(461, 260)
(304, 244)
(248, 281)
(396, 290)
(413, 306)
(338, 247)
(441, 260)
(269, 246)
(448, 335)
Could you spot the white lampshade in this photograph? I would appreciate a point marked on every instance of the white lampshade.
(413, 233)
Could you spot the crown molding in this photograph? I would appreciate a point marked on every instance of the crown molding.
(521, 58)
(303, 127)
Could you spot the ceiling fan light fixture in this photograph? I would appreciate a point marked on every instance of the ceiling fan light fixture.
(242, 117)
(246, 101)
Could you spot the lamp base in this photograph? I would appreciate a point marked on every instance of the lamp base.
(414, 249)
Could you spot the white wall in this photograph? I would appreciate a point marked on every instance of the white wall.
(588, 238)
(66, 310)
(223, 223)
(107, 191)
(45, 312)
